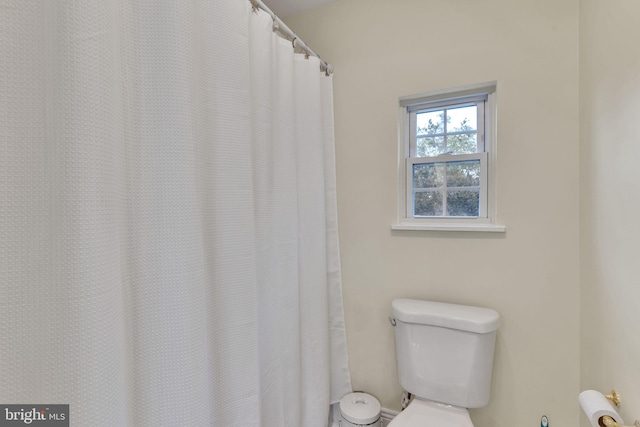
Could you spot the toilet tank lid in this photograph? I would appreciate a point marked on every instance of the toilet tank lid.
(461, 317)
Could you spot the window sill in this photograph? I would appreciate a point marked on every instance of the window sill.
(491, 228)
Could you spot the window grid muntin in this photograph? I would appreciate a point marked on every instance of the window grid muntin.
(443, 190)
(443, 105)
(446, 159)
(446, 134)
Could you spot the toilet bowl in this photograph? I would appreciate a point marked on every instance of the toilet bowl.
(425, 413)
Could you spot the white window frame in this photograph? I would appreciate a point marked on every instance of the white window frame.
(486, 221)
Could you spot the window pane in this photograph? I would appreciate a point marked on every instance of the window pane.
(428, 176)
(462, 119)
(428, 203)
(466, 143)
(463, 174)
(430, 123)
(430, 146)
(463, 203)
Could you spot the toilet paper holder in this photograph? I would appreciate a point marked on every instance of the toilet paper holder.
(614, 397)
(607, 421)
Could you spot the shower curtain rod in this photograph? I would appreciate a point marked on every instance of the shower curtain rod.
(282, 28)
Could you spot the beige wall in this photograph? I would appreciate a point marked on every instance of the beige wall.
(384, 49)
(610, 199)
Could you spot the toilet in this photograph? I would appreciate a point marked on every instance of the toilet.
(444, 359)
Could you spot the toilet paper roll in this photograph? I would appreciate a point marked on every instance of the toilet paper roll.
(596, 406)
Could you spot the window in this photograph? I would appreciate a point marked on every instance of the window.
(447, 148)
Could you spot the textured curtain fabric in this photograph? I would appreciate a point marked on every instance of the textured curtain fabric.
(168, 235)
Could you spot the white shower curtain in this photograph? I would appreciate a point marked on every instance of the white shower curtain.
(168, 235)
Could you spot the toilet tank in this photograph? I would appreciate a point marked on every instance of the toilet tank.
(445, 351)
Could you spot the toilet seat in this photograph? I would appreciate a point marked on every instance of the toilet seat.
(425, 413)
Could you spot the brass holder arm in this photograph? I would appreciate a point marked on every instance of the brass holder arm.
(607, 421)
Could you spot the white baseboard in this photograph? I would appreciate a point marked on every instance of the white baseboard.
(386, 416)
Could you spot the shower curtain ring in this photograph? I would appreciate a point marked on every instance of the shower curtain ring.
(293, 42)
